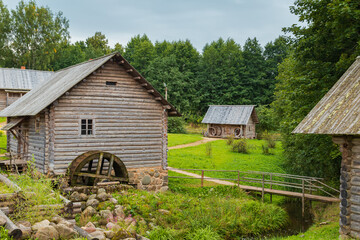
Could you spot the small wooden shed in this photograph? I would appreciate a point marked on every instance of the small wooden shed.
(338, 114)
(14, 83)
(231, 120)
(97, 120)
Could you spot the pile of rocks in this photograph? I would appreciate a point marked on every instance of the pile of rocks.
(57, 228)
(109, 219)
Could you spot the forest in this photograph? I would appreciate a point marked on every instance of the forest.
(285, 78)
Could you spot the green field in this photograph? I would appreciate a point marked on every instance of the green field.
(175, 139)
(222, 158)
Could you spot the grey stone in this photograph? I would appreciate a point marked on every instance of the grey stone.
(75, 197)
(93, 203)
(47, 233)
(24, 223)
(163, 211)
(2, 221)
(109, 234)
(56, 219)
(65, 232)
(101, 190)
(119, 212)
(139, 237)
(157, 175)
(164, 189)
(102, 197)
(146, 180)
(113, 201)
(98, 234)
(105, 217)
(93, 196)
(83, 197)
(89, 212)
(39, 225)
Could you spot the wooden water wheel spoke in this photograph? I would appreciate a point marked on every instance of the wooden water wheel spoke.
(88, 168)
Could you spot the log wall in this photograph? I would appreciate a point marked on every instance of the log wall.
(127, 120)
(2, 99)
(349, 186)
(229, 130)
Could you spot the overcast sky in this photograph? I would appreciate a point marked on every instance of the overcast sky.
(200, 21)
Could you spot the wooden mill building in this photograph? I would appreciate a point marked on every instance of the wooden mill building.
(98, 120)
(338, 114)
(231, 120)
(14, 83)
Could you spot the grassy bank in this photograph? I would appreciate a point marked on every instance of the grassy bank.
(201, 213)
(175, 139)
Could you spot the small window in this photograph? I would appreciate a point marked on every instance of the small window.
(37, 124)
(87, 127)
(108, 83)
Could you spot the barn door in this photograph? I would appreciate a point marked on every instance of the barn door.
(23, 145)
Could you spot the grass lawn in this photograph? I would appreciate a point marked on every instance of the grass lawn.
(175, 139)
(222, 158)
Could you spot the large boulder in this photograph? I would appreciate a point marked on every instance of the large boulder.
(65, 232)
(113, 201)
(89, 227)
(83, 197)
(101, 190)
(39, 225)
(92, 196)
(47, 233)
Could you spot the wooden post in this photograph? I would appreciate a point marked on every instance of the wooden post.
(202, 178)
(270, 187)
(13, 230)
(303, 199)
(263, 188)
(238, 183)
(110, 165)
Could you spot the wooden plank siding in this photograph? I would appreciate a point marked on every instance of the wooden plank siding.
(127, 120)
(2, 99)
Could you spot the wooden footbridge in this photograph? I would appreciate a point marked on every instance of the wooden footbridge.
(304, 187)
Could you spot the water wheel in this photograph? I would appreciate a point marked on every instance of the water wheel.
(97, 166)
(238, 132)
(212, 131)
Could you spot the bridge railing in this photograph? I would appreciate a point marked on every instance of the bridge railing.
(268, 180)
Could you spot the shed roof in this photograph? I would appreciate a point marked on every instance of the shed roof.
(62, 81)
(338, 112)
(24, 79)
(230, 114)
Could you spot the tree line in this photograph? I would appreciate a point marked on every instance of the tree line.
(223, 73)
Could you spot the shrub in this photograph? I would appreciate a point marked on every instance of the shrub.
(208, 149)
(4, 234)
(229, 139)
(270, 139)
(240, 146)
(160, 233)
(176, 125)
(266, 149)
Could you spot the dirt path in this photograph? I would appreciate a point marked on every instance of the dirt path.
(199, 176)
(202, 141)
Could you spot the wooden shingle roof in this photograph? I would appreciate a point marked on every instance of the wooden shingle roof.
(22, 79)
(230, 114)
(338, 112)
(63, 80)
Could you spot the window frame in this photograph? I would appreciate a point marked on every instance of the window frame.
(87, 129)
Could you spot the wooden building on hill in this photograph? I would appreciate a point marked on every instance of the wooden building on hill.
(98, 120)
(338, 114)
(14, 83)
(231, 120)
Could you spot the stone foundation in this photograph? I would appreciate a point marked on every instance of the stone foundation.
(349, 186)
(151, 179)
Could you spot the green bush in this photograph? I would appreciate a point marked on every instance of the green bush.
(176, 125)
(266, 149)
(230, 139)
(240, 146)
(4, 234)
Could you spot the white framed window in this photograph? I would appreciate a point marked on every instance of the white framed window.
(86, 127)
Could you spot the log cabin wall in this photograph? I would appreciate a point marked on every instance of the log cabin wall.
(126, 120)
(2, 99)
(250, 130)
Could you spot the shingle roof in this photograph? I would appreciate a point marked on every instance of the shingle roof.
(62, 81)
(230, 114)
(338, 112)
(24, 79)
